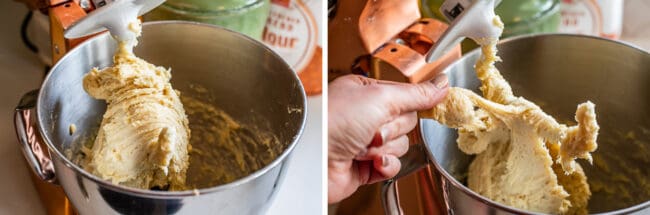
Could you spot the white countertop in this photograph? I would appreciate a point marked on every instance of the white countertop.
(21, 71)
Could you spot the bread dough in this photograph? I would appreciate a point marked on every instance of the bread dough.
(224, 149)
(524, 157)
(143, 139)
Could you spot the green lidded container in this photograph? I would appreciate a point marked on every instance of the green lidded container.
(245, 16)
(519, 16)
(529, 16)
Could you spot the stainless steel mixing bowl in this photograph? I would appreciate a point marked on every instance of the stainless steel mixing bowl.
(247, 80)
(557, 72)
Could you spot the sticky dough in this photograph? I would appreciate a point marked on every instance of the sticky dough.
(524, 157)
(143, 139)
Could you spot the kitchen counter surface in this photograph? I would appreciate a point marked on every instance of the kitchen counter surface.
(21, 71)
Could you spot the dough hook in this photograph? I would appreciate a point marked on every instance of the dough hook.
(475, 21)
(115, 16)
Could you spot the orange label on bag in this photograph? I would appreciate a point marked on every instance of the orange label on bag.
(291, 31)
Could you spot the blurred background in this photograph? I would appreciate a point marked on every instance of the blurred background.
(614, 19)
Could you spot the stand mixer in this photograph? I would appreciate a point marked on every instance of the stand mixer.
(72, 22)
(390, 41)
(375, 38)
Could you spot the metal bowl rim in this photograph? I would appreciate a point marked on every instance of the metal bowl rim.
(487, 201)
(185, 193)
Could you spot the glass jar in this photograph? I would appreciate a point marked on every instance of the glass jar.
(529, 17)
(245, 16)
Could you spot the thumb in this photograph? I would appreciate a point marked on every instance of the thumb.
(402, 98)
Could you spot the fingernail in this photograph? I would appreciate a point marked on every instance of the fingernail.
(441, 81)
(383, 132)
(377, 140)
(385, 161)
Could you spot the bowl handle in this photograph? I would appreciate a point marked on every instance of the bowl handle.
(390, 198)
(413, 160)
(32, 145)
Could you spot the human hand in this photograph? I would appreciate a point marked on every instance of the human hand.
(364, 111)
